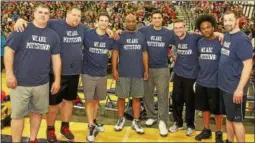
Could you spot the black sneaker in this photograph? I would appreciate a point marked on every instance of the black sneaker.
(218, 137)
(227, 141)
(205, 134)
(51, 136)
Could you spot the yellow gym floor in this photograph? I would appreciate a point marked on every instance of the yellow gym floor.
(109, 135)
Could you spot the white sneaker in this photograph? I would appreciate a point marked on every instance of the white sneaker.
(174, 128)
(137, 127)
(189, 132)
(150, 122)
(99, 127)
(162, 128)
(92, 132)
(120, 124)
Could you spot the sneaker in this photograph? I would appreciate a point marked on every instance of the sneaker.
(34, 141)
(119, 126)
(205, 134)
(174, 128)
(218, 137)
(67, 133)
(99, 127)
(92, 133)
(51, 136)
(162, 129)
(137, 127)
(150, 122)
(227, 141)
(189, 131)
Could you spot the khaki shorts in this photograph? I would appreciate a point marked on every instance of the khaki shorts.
(94, 88)
(29, 99)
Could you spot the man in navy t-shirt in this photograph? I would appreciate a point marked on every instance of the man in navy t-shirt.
(28, 62)
(235, 68)
(131, 50)
(97, 46)
(158, 40)
(71, 33)
(207, 95)
(185, 69)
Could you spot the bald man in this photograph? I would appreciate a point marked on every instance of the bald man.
(131, 49)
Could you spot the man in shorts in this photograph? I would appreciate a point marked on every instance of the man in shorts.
(185, 74)
(235, 68)
(131, 49)
(207, 94)
(27, 61)
(71, 33)
(97, 45)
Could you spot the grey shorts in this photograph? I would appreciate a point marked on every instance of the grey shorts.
(94, 88)
(29, 99)
(130, 87)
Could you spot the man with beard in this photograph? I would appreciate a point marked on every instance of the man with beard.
(131, 49)
(27, 60)
(207, 95)
(71, 33)
(235, 68)
(97, 45)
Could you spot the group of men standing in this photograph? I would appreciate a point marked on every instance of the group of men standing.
(139, 64)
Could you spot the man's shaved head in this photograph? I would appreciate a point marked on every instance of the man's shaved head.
(131, 22)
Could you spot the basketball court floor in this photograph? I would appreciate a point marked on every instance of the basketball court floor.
(109, 118)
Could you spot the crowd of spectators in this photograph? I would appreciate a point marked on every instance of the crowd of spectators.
(11, 11)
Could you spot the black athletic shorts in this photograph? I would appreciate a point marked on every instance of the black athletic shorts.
(207, 99)
(68, 90)
(234, 112)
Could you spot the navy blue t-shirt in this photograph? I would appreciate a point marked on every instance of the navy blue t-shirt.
(71, 44)
(209, 57)
(186, 64)
(131, 47)
(33, 49)
(96, 48)
(236, 49)
(158, 42)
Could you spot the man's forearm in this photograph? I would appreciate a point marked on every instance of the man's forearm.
(115, 55)
(145, 61)
(56, 65)
(245, 76)
(8, 60)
